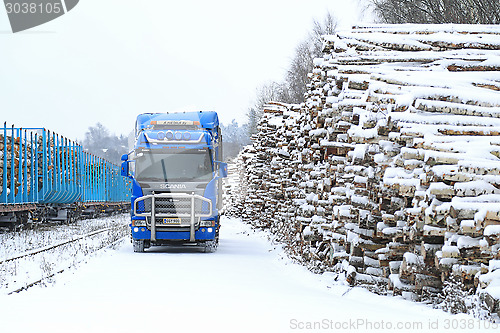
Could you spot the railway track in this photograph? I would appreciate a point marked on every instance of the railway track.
(50, 247)
(34, 267)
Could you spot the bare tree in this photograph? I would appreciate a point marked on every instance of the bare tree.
(235, 137)
(294, 87)
(100, 142)
(328, 27)
(438, 11)
(273, 91)
(302, 63)
(253, 120)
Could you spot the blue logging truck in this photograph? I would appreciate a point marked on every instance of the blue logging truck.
(176, 178)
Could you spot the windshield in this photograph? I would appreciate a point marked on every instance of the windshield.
(179, 166)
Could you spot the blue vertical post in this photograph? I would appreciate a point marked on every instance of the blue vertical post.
(64, 166)
(90, 178)
(111, 177)
(61, 166)
(52, 161)
(72, 167)
(36, 169)
(33, 174)
(58, 165)
(84, 175)
(19, 196)
(76, 165)
(67, 167)
(78, 170)
(105, 181)
(45, 156)
(96, 178)
(100, 180)
(50, 164)
(87, 180)
(4, 173)
(12, 167)
(25, 168)
(82, 170)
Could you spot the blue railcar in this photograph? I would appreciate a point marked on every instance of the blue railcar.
(177, 179)
(45, 175)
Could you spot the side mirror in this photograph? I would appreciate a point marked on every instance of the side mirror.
(125, 172)
(222, 169)
(125, 168)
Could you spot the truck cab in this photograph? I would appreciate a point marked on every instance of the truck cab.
(176, 174)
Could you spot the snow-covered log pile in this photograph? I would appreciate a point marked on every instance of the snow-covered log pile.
(390, 172)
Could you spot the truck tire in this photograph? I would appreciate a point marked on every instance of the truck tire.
(138, 245)
(210, 246)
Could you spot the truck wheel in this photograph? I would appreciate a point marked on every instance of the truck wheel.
(138, 245)
(211, 246)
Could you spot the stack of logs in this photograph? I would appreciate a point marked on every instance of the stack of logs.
(9, 154)
(58, 152)
(389, 173)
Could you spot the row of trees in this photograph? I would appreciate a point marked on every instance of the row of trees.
(100, 142)
(294, 85)
(438, 11)
(234, 138)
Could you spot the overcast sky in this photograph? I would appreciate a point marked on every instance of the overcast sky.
(109, 60)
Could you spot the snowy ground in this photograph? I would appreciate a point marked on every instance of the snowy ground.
(18, 273)
(246, 286)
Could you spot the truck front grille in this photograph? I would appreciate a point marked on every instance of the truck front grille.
(173, 206)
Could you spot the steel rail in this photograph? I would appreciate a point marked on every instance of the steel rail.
(53, 246)
(37, 282)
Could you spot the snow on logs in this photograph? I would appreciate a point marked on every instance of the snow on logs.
(390, 171)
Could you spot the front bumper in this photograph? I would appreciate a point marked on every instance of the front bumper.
(172, 206)
(202, 234)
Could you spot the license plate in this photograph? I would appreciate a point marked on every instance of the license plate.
(171, 221)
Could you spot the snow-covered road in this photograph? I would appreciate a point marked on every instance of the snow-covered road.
(246, 286)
